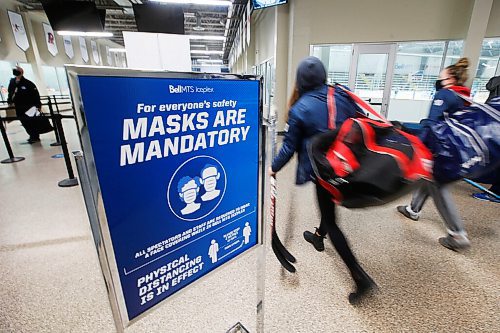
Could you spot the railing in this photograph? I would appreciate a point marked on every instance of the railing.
(53, 103)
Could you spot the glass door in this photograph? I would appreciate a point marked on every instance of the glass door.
(266, 70)
(370, 75)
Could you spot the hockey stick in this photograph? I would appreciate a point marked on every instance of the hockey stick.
(482, 188)
(284, 257)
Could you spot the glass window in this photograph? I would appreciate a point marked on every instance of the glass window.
(337, 60)
(487, 66)
(454, 52)
(416, 69)
(5, 76)
(63, 80)
(370, 81)
(28, 72)
(51, 81)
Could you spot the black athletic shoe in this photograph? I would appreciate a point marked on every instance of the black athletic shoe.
(33, 140)
(364, 288)
(315, 240)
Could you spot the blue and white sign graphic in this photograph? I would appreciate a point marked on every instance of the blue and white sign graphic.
(177, 162)
(193, 196)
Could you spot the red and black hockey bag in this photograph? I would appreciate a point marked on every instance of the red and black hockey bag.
(368, 162)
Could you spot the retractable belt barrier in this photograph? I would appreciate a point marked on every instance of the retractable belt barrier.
(56, 117)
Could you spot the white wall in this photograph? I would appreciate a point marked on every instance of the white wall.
(358, 21)
(493, 29)
(8, 49)
(61, 58)
(11, 52)
(264, 33)
(46, 57)
(164, 51)
(337, 22)
(411, 111)
(281, 63)
(37, 54)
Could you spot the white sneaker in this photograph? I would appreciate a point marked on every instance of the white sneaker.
(407, 212)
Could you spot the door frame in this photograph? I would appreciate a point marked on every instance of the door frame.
(378, 48)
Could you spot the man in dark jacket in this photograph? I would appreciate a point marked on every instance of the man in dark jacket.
(24, 95)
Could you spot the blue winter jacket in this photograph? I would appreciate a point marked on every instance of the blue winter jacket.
(447, 101)
(306, 118)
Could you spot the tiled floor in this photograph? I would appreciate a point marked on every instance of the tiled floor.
(50, 278)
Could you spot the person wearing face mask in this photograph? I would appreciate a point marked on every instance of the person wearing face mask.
(24, 95)
(308, 116)
(450, 83)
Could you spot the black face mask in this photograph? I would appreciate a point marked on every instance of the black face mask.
(16, 72)
(439, 84)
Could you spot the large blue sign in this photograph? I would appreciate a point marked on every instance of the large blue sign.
(177, 162)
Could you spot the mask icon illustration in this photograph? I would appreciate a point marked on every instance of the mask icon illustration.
(209, 177)
(188, 189)
(196, 188)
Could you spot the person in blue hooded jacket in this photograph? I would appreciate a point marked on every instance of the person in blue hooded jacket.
(308, 116)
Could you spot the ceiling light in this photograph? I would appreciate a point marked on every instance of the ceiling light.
(206, 52)
(198, 45)
(196, 56)
(208, 65)
(210, 62)
(206, 37)
(118, 50)
(85, 33)
(198, 2)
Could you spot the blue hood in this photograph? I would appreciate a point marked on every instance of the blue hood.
(311, 74)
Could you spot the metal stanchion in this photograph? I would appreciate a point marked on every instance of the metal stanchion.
(56, 132)
(12, 158)
(71, 180)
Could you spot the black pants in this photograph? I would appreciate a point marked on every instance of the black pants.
(28, 124)
(329, 226)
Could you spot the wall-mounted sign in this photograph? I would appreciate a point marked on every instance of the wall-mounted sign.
(20, 35)
(50, 39)
(95, 52)
(83, 49)
(68, 47)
